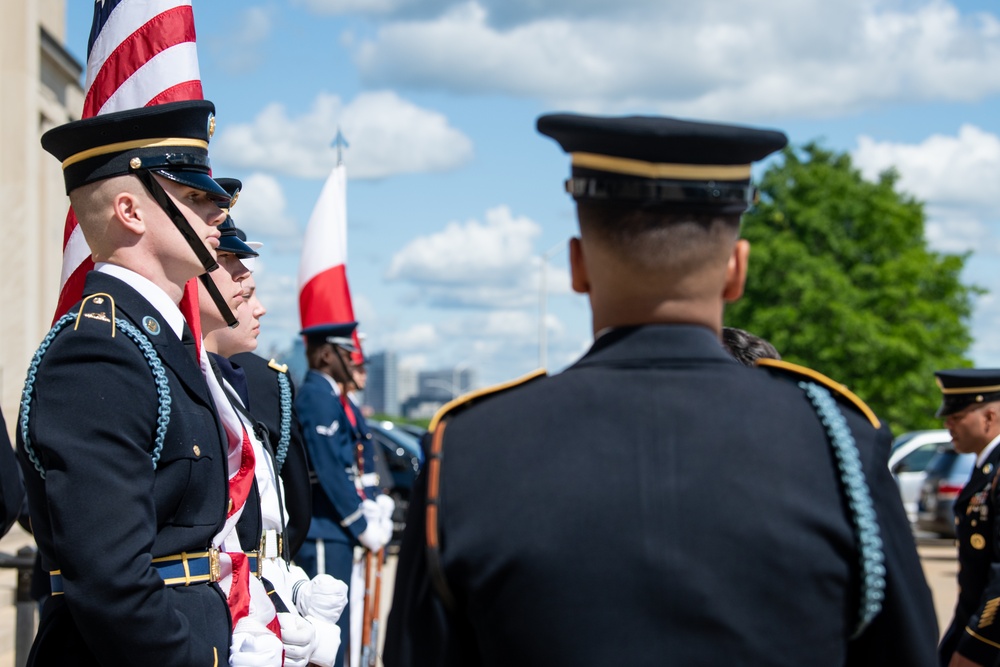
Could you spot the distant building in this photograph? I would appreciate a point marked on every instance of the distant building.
(435, 388)
(382, 392)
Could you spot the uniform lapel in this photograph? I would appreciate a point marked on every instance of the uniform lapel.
(172, 352)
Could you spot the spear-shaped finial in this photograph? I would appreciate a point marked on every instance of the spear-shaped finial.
(341, 144)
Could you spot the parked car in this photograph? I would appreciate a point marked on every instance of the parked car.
(403, 457)
(908, 459)
(414, 430)
(947, 473)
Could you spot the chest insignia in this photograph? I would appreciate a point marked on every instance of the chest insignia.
(151, 325)
(977, 541)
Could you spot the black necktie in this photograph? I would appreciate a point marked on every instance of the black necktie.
(188, 339)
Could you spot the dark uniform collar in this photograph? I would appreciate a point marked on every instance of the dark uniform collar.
(650, 342)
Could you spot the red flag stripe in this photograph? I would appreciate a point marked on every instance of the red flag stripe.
(189, 90)
(172, 27)
(326, 298)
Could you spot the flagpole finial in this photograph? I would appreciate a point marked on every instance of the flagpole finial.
(340, 144)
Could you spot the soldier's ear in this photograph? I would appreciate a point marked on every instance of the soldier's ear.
(579, 279)
(129, 212)
(736, 271)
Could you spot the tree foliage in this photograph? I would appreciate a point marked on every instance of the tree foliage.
(841, 280)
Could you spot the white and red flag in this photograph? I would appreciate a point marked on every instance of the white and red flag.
(324, 295)
(140, 53)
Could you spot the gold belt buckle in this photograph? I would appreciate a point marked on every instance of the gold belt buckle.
(214, 571)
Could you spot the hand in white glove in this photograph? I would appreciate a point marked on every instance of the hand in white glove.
(386, 504)
(254, 645)
(299, 637)
(374, 537)
(322, 596)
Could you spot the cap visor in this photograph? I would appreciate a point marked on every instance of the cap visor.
(198, 180)
(234, 245)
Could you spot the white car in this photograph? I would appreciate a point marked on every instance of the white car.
(908, 459)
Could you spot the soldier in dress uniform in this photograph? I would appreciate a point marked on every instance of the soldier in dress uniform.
(970, 407)
(658, 502)
(349, 508)
(308, 610)
(122, 449)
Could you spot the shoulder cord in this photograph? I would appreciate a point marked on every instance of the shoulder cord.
(285, 427)
(859, 500)
(155, 366)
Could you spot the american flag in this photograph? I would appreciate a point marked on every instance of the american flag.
(140, 53)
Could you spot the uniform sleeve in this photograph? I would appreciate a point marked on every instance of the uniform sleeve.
(95, 447)
(980, 641)
(905, 633)
(326, 433)
(420, 629)
(11, 486)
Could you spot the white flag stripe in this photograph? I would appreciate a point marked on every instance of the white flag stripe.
(74, 253)
(325, 242)
(167, 68)
(126, 18)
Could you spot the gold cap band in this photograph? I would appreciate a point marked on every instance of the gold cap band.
(131, 145)
(685, 172)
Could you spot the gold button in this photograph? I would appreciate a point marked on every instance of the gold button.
(135, 163)
(197, 450)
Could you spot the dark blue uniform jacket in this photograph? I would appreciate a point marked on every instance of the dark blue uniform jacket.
(655, 504)
(103, 512)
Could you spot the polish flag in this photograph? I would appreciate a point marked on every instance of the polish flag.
(324, 295)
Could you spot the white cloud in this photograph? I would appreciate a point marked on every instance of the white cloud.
(955, 176)
(953, 171)
(262, 209)
(388, 135)
(417, 338)
(489, 264)
(720, 60)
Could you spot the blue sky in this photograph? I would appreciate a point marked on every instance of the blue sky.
(453, 197)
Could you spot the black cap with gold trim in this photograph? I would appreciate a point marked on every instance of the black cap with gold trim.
(963, 387)
(229, 235)
(680, 164)
(170, 140)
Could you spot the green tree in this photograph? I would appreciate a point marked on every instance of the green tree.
(841, 280)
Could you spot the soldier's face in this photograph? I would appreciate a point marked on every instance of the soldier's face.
(972, 428)
(228, 278)
(203, 214)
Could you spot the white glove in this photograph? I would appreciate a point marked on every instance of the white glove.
(322, 597)
(328, 636)
(254, 645)
(374, 537)
(387, 505)
(299, 637)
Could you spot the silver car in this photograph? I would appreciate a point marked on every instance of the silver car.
(908, 459)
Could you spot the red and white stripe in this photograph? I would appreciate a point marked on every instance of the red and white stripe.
(324, 294)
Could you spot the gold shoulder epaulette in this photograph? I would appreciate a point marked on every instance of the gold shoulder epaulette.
(100, 307)
(819, 378)
(466, 400)
(281, 368)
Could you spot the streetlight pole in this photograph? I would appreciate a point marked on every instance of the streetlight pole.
(543, 343)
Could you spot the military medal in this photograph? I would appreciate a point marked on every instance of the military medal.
(977, 541)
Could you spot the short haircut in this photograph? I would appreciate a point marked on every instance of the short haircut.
(657, 237)
(746, 347)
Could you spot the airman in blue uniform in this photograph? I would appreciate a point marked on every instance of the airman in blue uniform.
(348, 503)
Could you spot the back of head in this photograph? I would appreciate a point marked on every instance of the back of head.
(659, 203)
